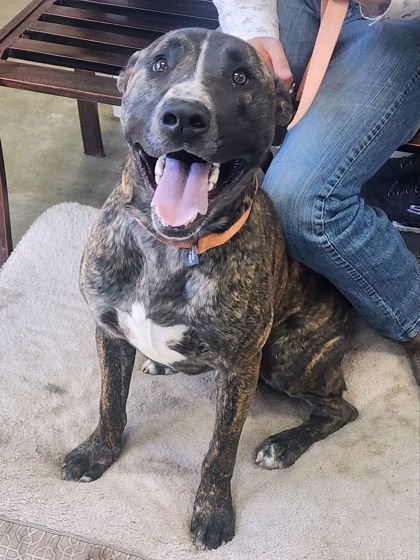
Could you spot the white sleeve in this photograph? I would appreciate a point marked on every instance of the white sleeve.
(248, 18)
(397, 9)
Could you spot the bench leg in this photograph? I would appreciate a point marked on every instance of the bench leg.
(5, 230)
(91, 128)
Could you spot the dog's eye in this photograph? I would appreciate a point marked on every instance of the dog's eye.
(240, 77)
(160, 64)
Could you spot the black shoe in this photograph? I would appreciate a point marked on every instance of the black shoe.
(396, 190)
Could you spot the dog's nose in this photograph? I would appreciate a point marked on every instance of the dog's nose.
(185, 118)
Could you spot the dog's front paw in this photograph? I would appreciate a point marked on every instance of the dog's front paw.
(213, 520)
(152, 368)
(281, 451)
(89, 460)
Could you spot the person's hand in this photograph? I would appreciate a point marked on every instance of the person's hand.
(374, 8)
(271, 51)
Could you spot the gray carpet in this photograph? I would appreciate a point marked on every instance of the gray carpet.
(353, 496)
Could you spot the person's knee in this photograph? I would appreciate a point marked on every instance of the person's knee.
(401, 40)
(295, 205)
(313, 216)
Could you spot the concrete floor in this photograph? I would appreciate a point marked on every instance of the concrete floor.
(43, 151)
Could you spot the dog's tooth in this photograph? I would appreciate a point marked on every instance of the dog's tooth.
(211, 186)
(160, 166)
(157, 178)
(214, 174)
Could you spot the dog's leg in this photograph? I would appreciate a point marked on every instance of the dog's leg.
(329, 415)
(213, 520)
(90, 459)
(310, 369)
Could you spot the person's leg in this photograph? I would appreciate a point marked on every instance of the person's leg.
(298, 28)
(368, 105)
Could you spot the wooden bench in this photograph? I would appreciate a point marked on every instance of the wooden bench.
(78, 46)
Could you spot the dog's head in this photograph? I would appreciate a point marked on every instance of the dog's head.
(199, 111)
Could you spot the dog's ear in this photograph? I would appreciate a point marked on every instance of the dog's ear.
(283, 111)
(284, 108)
(127, 72)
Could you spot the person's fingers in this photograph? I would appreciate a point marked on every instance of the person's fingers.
(279, 62)
(374, 8)
(271, 51)
(266, 57)
(259, 45)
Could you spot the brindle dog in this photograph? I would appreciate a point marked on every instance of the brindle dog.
(199, 113)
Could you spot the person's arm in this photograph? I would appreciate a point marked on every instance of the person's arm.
(247, 19)
(256, 21)
(380, 10)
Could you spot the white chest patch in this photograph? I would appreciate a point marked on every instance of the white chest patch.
(151, 339)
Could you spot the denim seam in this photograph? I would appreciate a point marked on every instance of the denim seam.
(335, 181)
(414, 330)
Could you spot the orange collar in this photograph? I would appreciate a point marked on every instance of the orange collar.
(210, 240)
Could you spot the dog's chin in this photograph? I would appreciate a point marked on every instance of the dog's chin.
(180, 233)
(221, 179)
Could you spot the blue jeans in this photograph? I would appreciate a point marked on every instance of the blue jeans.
(367, 106)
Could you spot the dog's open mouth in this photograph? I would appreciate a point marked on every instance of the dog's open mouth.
(184, 184)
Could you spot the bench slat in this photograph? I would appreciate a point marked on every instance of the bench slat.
(76, 85)
(193, 8)
(151, 21)
(16, 27)
(68, 56)
(85, 37)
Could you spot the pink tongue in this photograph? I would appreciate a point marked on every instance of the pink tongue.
(182, 192)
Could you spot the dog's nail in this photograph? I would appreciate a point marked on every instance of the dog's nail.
(85, 479)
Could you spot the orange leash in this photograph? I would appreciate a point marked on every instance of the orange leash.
(333, 13)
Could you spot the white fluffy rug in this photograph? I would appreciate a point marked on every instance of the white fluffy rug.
(353, 496)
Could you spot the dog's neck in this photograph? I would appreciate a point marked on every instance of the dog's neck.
(217, 233)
